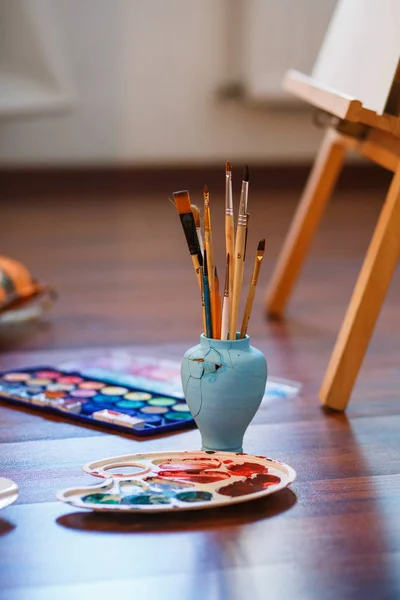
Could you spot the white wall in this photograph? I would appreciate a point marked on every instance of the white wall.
(146, 74)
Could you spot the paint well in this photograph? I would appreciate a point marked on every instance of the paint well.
(47, 374)
(154, 410)
(251, 485)
(181, 408)
(91, 385)
(60, 387)
(114, 390)
(83, 393)
(102, 499)
(129, 404)
(177, 416)
(138, 396)
(17, 376)
(74, 379)
(38, 381)
(198, 496)
(162, 402)
(54, 395)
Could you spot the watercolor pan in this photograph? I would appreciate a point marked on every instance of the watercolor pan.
(173, 481)
(90, 400)
(8, 492)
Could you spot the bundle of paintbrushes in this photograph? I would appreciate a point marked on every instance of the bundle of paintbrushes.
(220, 317)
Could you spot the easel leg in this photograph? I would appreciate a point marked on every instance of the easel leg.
(319, 187)
(365, 304)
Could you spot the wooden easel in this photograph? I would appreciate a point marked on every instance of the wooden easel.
(376, 137)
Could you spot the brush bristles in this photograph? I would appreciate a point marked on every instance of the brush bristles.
(228, 167)
(196, 214)
(261, 246)
(182, 202)
(246, 174)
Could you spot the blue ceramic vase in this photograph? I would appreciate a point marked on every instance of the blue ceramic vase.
(224, 383)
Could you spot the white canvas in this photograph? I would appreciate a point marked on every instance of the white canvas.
(361, 50)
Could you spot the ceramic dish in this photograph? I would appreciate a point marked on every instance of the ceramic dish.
(175, 481)
(8, 492)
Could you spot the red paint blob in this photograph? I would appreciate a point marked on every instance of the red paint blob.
(47, 374)
(70, 379)
(194, 474)
(247, 469)
(249, 486)
(186, 464)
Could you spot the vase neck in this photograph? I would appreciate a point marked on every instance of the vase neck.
(241, 344)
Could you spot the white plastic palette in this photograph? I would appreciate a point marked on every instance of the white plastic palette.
(8, 492)
(171, 481)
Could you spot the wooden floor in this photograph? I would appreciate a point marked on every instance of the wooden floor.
(125, 279)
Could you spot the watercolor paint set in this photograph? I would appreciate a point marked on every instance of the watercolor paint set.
(95, 401)
(175, 481)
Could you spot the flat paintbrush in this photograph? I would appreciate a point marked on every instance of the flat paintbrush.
(182, 202)
(240, 244)
(197, 221)
(229, 230)
(209, 247)
(225, 306)
(252, 290)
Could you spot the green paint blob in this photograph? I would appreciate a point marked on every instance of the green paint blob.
(102, 499)
(194, 496)
(162, 402)
(145, 499)
(178, 416)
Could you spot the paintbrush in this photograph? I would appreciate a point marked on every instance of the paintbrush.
(208, 246)
(216, 307)
(252, 290)
(206, 292)
(183, 206)
(203, 306)
(239, 254)
(245, 239)
(225, 306)
(229, 229)
(197, 221)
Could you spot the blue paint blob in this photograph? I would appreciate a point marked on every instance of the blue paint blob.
(198, 496)
(104, 399)
(129, 404)
(145, 499)
(102, 498)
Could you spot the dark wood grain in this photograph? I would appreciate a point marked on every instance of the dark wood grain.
(125, 280)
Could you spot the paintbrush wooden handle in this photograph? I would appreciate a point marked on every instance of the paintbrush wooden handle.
(247, 310)
(230, 249)
(210, 268)
(216, 309)
(238, 279)
(196, 265)
(225, 319)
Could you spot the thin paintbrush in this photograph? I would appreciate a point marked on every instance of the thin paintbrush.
(216, 307)
(197, 221)
(229, 230)
(239, 254)
(203, 306)
(252, 290)
(183, 206)
(207, 303)
(225, 306)
(208, 246)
